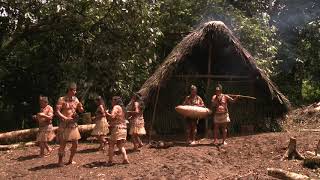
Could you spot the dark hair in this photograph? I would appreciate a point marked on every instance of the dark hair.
(43, 98)
(139, 100)
(219, 86)
(100, 100)
(193, 87)
(71, 85)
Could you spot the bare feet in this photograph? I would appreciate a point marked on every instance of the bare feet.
(224, 143)
(192, 143)
(141, 145)
(49, 152)
(71, 162)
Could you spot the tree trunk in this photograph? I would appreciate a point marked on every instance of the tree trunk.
(282, 174)
(292, 152)
(29, 134)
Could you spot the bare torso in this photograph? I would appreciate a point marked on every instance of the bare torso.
(221, 103)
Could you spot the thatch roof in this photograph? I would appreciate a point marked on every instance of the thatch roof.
(211, 32)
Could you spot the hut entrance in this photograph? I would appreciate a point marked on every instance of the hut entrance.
(168, 121)
(205, 57)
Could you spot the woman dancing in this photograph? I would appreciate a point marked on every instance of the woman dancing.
(118, 129)
(101, 128)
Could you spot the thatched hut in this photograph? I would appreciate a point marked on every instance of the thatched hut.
(207, 56)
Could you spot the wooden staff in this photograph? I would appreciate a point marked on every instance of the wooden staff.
(241, 96)
(154, 113)
(207, 90)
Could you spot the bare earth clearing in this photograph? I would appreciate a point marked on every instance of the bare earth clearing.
(244, 157)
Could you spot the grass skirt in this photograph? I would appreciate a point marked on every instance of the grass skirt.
(68, 134)
(118, 133)
(101, 128)
(45, 136)
(137, 126)
(221, 118)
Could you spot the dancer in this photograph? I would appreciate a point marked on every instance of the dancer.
(44, 118)
(100, 129)
(194, 100)
(118, 129)
(136, 120)
(221, 116)
(66, 110)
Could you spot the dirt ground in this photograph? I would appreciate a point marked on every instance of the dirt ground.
(245, 157)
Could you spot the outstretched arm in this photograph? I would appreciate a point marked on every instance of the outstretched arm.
(232, 99)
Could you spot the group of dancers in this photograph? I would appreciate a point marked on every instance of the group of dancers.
(115, 122)
(112, 122)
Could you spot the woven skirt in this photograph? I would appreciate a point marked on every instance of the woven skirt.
(101, 127)
(137, 126)
(221, 118)
(45, 136)
(118, 134)
(137, 129)
(68, 134)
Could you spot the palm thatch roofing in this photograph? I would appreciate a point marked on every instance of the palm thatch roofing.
(218, 34)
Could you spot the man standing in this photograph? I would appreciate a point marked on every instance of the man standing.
(66, 110)
(193, 100)
(221, 116)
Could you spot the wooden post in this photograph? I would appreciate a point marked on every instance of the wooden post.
(292, 152)
(208, 87)
(154, 113)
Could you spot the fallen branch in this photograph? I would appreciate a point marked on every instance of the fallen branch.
(30, 134)
(310, 153)
(310, 130)
(292, 152)
(282, 174)
(15, 146)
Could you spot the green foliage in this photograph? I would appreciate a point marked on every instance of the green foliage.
(309, 49)
(111, 47)
(311, 91)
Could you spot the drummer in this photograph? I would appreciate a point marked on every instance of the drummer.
(221, 115)
(194, 100)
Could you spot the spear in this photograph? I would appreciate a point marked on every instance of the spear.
(242, 96)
